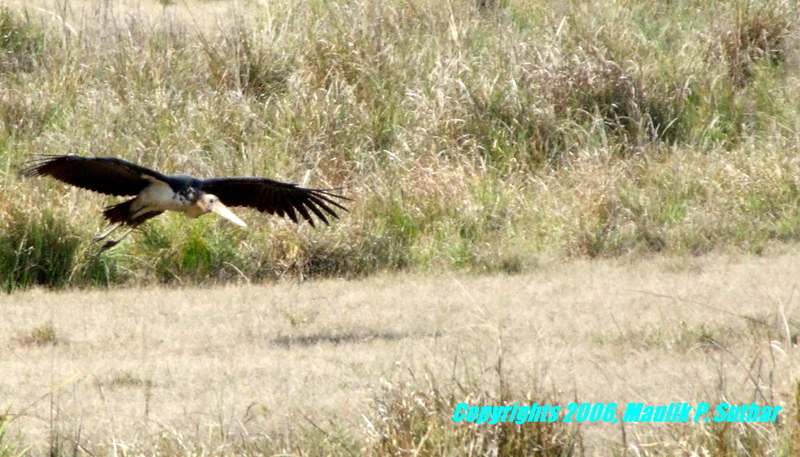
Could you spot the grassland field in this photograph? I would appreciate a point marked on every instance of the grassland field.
(332, 367)
(553, 201)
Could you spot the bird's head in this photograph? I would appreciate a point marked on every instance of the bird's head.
(208, 203)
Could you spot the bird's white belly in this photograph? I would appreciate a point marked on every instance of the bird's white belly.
(158, 196)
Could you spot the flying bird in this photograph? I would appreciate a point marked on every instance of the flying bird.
(155, 192)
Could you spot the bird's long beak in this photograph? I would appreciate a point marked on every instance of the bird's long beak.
(223, 211)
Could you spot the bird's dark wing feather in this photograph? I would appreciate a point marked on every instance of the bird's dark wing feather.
(106, 175)
(275, 197)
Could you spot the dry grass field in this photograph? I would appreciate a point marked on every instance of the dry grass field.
(553, 201)
(212, 371)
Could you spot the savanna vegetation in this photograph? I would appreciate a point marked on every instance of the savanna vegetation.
(472, 135)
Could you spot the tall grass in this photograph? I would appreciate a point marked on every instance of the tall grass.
(472, 135)
(38, 249)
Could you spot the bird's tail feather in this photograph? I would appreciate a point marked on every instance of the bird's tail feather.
(118, 213)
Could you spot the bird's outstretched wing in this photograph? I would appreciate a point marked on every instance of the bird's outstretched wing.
(106, 175)
(275, 197)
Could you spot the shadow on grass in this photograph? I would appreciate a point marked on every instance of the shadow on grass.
(335, 339)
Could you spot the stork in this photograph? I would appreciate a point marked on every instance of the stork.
(155, 192)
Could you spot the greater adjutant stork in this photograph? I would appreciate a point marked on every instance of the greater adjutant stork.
(155, 192)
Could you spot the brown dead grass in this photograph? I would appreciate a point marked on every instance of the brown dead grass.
(140, 365)
(74, 14)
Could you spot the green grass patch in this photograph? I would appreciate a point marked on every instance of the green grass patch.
(42, 249)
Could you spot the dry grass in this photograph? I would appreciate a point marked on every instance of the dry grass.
(300, 368)
(474, 136)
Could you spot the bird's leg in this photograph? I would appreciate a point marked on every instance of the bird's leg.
(107, 245)
(105, 234)
(111, 244)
